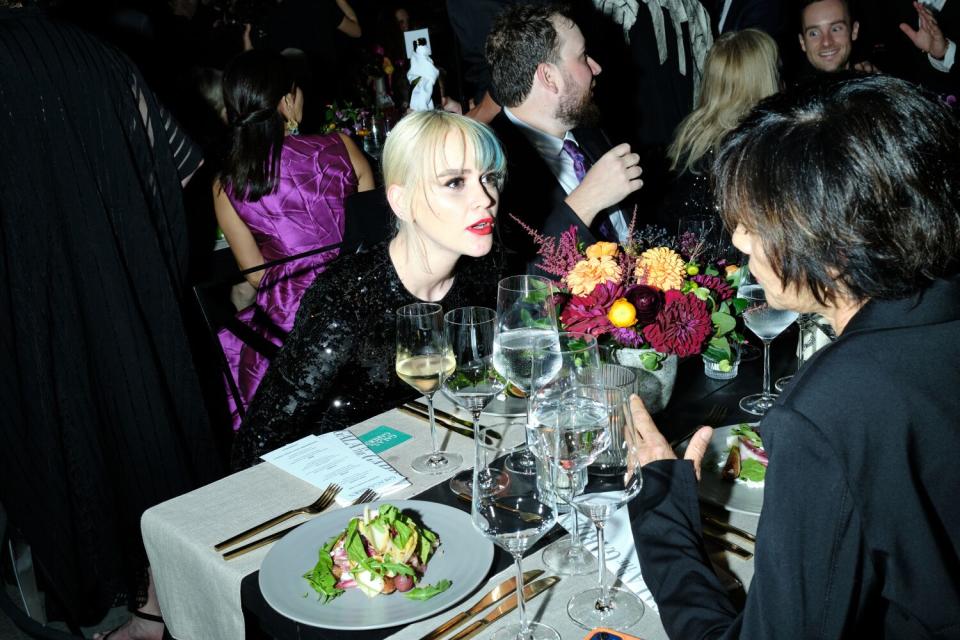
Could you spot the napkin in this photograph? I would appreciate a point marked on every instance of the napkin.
(421, 66)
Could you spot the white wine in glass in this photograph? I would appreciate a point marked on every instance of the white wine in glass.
(424, 361)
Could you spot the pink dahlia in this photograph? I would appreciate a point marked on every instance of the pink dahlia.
(628, 337)
(718, 285)
(682, 326)
(589, 313)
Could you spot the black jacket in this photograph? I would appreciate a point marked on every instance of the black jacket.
(533, 194)
(860, 530)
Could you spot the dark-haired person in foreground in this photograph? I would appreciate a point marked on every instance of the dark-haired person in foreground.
(860, 530)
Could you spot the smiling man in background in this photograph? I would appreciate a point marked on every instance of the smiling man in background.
(827, 34)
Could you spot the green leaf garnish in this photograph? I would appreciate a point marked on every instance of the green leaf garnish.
(751, 469)
(321, 578)
(428, 591)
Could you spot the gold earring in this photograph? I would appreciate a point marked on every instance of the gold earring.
(292, 127)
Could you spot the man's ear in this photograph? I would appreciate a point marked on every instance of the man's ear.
(548, 76)
(854, 30)
(803, 45)
(395, 196)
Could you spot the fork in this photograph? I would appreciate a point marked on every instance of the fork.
(321, 503)
(367, 496)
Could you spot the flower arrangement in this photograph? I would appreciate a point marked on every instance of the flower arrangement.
(660, 293)
(346, 119)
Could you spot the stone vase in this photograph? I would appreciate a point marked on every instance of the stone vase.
(653, 387)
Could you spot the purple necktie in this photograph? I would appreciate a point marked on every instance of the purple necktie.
(580, 167)
(580, 163)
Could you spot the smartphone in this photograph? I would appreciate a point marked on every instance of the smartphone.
(608, 634)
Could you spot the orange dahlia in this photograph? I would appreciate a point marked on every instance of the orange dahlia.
(662, 268)
(600, 249)
(588, 273)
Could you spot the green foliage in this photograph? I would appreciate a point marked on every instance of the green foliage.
(428, 591)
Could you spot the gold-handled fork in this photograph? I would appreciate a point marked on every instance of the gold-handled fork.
(367, 496)
(321, 503)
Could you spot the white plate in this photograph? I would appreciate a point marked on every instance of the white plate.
(732, 496)
(464, 557)
(507, 406)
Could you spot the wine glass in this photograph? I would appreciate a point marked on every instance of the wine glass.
(424, 361)
(767, 323)
(579, 355)
(513, 519)
(526, 330)
(474, 382)
(802, 321)
(605, 606)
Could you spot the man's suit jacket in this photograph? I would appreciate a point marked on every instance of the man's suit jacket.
(533, 194)
(767, 15)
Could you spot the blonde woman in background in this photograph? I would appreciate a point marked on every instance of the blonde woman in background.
(741, 69)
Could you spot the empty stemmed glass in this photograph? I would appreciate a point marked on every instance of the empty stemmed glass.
(605, 606)
(474, 382)
(526, 329)
(767, 323)
(579, 357)
(802, 320)
(424, 361)
(513, 519)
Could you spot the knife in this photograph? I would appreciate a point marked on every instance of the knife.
(530, 592)
(422, 414)
(729, 528)
(726, 545)
(256, 544)
(498, 593)
(443, 414)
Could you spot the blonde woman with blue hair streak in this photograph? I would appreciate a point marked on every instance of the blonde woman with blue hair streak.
(442, 174)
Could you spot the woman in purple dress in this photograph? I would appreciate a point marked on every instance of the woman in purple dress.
(279, 194)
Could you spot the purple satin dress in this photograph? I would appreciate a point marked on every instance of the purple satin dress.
(305, 212)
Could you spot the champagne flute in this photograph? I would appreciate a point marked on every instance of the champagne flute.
(514, 520)
(767, 323)
(605, 606)
(579, 357)
(474, 382)
(526, 329)
(424, 361)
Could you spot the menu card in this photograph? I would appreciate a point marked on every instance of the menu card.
(621, 554)
(338, 458)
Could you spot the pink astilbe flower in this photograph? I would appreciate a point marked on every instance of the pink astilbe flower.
(628, 337)
(682, 326)
(718, 285)
(557, 260)
(588, 314)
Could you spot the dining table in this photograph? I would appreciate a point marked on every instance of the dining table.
(204, 597)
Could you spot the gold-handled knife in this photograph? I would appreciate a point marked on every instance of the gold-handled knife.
(729, 528)
(443, 414)
(530, 592)
(256, 544)
(412, 410)
(498, 593)
(726, 545)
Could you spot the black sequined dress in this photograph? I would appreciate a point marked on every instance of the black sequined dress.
(337, 366)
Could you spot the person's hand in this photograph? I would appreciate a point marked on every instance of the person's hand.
(652, 446)
(611, 179)
(928, 37)
(866, 67)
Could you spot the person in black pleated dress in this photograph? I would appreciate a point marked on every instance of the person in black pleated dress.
(102, 412)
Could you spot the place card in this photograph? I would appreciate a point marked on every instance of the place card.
(383, 438)
(338, 457)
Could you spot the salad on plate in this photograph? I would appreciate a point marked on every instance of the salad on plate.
(379, 553)
(746, 460)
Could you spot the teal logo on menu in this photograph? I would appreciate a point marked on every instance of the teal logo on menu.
(383, 438)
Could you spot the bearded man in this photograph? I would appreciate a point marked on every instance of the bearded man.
(561, 169)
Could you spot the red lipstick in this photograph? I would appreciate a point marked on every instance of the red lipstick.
(482, 227)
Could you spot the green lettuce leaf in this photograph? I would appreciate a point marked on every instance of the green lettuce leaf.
(321, 578)
(751, 469)
(428, 591)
